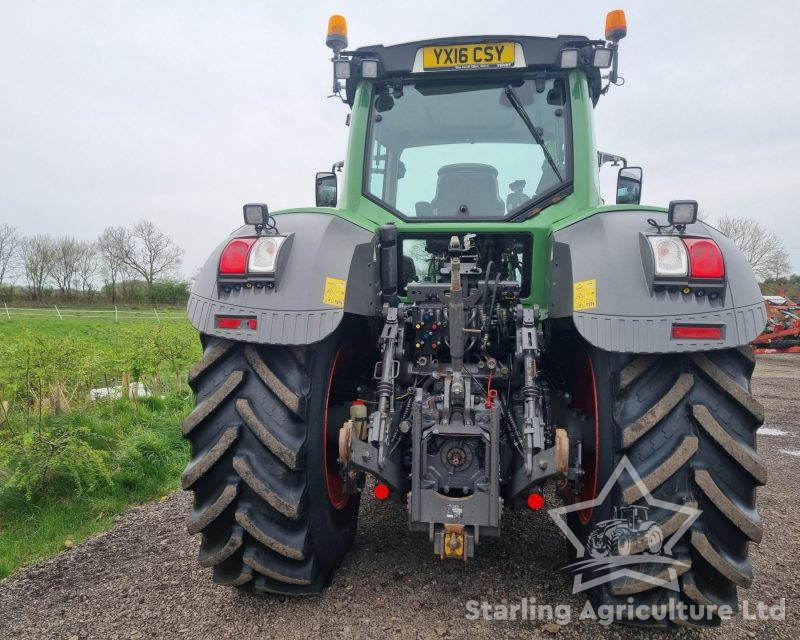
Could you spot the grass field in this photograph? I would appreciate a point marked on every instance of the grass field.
(86, 321)
(85, 351)
(69, 465)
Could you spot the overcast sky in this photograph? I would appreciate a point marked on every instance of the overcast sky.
(179, 112)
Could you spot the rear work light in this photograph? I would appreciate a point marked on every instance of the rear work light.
(705, 258)
(570, 58)
(233, 260)
(696, 332)
(602, 58)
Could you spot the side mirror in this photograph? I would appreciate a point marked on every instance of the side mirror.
(326, 189)
(629, 185)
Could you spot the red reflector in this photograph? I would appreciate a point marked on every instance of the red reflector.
(251, 323)
(381, 491)
(234, 257)
(705, 258)
(535, 501)
(699, 333)
(228, 323)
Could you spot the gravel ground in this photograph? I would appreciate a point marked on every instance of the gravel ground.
(141, 579)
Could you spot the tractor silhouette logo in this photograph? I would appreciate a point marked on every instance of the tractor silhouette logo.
(618, 535)
(617, 548)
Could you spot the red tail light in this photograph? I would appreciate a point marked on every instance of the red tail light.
(233, 260)
(535, 501)
(696, 333)
(381, 491)
(229, 323)
(705, 258)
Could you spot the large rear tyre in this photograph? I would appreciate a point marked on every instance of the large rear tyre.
(687, 423)
(267, 499)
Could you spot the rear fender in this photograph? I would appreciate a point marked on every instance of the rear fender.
(327, 254)
(628, 314)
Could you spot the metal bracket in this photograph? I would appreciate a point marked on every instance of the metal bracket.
(429, 510)
(528, 352)
(364, 456)
(545, 465)
(381, 419)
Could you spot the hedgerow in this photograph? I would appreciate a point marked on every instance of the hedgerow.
(64, 451)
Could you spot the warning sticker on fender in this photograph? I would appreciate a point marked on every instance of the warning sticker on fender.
(584, 295)
(334, 292)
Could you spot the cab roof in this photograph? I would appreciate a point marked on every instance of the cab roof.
(540, 53)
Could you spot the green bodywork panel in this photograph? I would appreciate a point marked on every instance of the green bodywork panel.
(582, 202)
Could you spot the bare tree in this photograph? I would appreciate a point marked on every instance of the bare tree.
(112, 247)
(87, 266)
(764, 250)
(66, 256)
(779, 264)
(37, 260)
(151, 253)
(9, 247)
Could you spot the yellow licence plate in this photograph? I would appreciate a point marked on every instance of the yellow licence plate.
(491, 55)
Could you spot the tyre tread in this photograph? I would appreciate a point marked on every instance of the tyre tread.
(691, 437)
(247, 471)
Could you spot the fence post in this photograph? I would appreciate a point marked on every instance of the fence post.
(116, 314)
(156, 312)
(7, 313)
(59, 313)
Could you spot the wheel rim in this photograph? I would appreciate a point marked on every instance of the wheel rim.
(333, 481)
(654, 540)
(585, 398)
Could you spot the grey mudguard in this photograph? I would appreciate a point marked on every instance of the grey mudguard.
(324, 248)
(629, 315)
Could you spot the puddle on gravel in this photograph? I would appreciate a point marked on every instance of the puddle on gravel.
(769, 431)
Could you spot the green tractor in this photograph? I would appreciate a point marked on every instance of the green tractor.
(465, 320)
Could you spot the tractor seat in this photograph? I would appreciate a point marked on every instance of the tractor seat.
(467, 189)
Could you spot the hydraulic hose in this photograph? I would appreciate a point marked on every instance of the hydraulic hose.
(511, 424)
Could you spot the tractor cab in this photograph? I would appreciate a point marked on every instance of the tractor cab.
(633, 515)
(478, 128)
